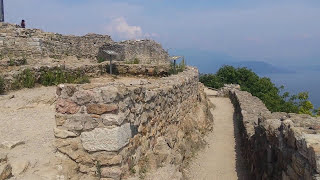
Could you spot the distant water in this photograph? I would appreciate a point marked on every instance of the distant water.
(300, 81)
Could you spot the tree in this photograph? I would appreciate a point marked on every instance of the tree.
(263, 88)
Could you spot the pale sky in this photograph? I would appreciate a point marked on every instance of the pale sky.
(278, 31)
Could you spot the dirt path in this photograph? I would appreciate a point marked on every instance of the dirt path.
(221, 160)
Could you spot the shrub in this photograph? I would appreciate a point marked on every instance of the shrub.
(55, 77)
(261, 87)
(25, 80)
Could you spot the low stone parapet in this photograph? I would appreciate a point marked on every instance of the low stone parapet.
(114, 130)
(277, 145)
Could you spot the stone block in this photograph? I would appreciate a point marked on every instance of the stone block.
(113, 119)
(111, 172)
(59, 133)
(65, 106)
(82, 97)
(105, 139)
(81, 122)
(101, 108)
(107, 159)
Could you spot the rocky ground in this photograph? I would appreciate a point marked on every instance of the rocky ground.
(26, 131)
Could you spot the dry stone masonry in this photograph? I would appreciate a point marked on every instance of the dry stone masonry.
(112, 130)
(276, 145)
(33, 43)
(143, 51)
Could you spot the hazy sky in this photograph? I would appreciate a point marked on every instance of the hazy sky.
(280, 31)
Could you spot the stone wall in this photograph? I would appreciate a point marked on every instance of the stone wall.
(277, 145)
(18, 42)
(144, 51)
(116, 130)
(89, 70)
(34, 43)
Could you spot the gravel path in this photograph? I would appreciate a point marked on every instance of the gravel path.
(221, 160)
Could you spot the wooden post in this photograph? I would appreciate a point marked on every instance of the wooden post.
(1, 11)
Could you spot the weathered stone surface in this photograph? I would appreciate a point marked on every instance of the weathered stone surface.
(277, 145)
(82, 98)
(59, 133)
(109, 94)
(3, 157)
(101, 108)
(107, 159)
(81, 122)
(104, 139)
(19, 167)
(10, 144)
(111, 172)
(66, 106)
(113, 119)
(5, 171)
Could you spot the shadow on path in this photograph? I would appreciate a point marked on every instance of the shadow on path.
(242, 168)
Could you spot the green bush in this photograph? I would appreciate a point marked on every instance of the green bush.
(1, 85)
(25, 80)
(261, 87)
(55, 77)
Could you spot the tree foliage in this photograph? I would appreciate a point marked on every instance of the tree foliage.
(261, 87)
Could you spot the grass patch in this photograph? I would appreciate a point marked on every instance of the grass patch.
(55, 77)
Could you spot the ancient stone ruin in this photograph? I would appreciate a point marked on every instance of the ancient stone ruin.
(128, 125)
(139, 122)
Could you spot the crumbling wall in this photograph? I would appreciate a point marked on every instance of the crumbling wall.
(277, 145)
(34, 43)
(115, 130)
(88, 70)
(142, 51)
(18, 42)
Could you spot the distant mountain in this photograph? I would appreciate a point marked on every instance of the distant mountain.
(210, 62)
(261, 68)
